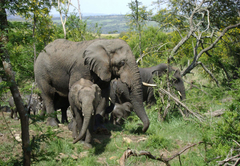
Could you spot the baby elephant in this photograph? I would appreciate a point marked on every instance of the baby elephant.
(121, 112)
(84, 97)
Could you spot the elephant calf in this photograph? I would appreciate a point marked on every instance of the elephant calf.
(84, 98)
(34, 105)
(120, 112)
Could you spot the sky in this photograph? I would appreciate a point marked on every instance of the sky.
(106, 7)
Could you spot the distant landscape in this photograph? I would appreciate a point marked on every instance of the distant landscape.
(110, 24)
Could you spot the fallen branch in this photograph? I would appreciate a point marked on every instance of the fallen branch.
(199, 117)
(232, 160)
(129, 152)
(215, 113)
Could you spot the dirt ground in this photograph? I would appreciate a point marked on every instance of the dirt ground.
(10, 139)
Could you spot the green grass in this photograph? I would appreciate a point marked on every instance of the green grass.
(53, 146)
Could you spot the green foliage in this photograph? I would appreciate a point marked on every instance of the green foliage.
(235, 93)
(159, 142)
(154, 45)
(228, 129)
(77, 29)
(138, 15)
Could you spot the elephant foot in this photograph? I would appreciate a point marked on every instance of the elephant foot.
(52, 122)
(85, 145)
(70, 126)
(64, 121)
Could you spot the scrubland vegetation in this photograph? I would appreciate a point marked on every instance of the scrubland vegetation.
(212, 86)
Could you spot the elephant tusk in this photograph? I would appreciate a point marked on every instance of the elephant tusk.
(151, 85)
(179, 93)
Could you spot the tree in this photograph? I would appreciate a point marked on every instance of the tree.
(13, 86)
(137, 19)
(15, 6)
(63, 10)
(196, 20)
(78, 9)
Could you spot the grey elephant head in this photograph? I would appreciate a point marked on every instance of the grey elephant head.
(63, 62)
(176, 81)
(120, 112)
(84, 97)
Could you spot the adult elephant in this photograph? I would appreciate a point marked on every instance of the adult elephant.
(119, 91)
(64, 62)
(159, 70)
(84, 97)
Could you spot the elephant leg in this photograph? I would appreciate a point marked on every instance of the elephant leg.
(51, 121)
(48, 93)
(74, 129)
(15, 113)
(151, 99)
(11, 115)
(64, 115)
(112, 118)
(43, 112)
(118, 121)
(88, 139)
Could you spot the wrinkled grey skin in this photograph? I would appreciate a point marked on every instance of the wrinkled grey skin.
(34, 105)
(84, 97)
(120, 112)
(119, 91)
(64, 62)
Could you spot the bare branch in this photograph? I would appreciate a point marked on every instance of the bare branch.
(60, 9)
(199, 117)
(209, 72)
(129, 152)
(193, 64)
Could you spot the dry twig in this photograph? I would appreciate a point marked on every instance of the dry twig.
(199, 117)
(129, 152)
(232, 160)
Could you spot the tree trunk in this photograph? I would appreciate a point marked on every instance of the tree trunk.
(13, 86)
(79, 11)
(34, 44)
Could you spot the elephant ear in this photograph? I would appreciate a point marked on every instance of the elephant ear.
(98, 96)
(97, 59)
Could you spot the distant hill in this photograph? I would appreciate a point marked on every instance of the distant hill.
(110, 24)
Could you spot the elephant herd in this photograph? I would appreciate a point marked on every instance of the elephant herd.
(87, 75)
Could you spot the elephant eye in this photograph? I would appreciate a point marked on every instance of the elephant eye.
(121, 63)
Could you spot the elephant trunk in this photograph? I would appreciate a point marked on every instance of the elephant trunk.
(136, 96)
(180, 87)
(86, 121)
(183, 97)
